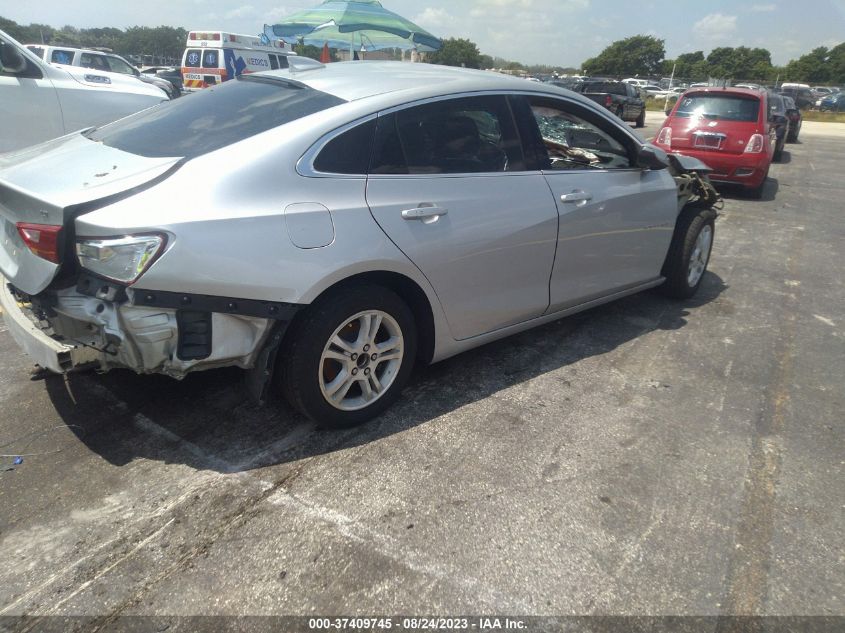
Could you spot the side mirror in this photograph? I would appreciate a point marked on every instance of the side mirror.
(652, 158)
(11, 60)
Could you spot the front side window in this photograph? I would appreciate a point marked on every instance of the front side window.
(572, 141)
(38, 50)
(117, 65)
(97, 62)
(454, 136)
(214, 118)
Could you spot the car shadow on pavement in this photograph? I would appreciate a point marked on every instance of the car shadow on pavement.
(207, 422)
(770, 191)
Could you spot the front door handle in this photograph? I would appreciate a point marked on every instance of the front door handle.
(576, 196)
(424, 214)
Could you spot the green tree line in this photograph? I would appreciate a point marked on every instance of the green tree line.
(644, 55)
(162, 41)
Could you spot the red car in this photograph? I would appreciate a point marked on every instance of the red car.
(729, 129)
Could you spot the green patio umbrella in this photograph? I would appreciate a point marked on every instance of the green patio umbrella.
(353, 24)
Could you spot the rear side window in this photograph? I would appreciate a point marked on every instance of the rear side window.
(283, 61)
(214, 118)
(719, 107)
(348, 153)
(274, 62)
(60, 56)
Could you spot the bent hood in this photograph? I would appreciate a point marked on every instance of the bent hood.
(45, 183)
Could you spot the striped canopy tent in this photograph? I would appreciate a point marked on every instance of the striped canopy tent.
(353, 24)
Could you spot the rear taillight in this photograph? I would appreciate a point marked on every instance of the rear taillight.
(755, 144)
(41, 239)
(608, 101)
(664, 137)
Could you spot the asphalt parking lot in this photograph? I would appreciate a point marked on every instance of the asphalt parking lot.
(647, 457)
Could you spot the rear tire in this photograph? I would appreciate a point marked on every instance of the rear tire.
(756, 193)
(689, 253)
(348, 356)
(641, 119)
(620, 112)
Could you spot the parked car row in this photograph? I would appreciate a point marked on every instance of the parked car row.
(736, 131)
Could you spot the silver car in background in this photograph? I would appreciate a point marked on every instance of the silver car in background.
(333, 225)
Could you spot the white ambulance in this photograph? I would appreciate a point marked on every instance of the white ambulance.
(212, 57)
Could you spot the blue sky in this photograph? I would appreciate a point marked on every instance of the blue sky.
(555, 32)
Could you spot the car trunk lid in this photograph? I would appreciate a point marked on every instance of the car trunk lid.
(718, 136)
(44, 184)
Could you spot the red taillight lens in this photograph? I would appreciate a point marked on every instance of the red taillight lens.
(42, 239)
(755, 144)
(608, 101)
(664, 137)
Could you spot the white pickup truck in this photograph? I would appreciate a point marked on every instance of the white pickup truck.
(39, 102)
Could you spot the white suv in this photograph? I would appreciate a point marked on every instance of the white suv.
(39, 101)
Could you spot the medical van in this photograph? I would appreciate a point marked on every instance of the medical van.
(212, 57)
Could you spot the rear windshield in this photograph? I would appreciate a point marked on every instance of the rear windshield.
(213, 118)
(604, 86)
(719, 107)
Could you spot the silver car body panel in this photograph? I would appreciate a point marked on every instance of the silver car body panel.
(485, 269)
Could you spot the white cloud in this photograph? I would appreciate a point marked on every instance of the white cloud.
(715, 27)
(433, 18)
(246, 11)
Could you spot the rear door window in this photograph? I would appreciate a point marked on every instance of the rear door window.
(193, 58)
(274, 62)
(60, 56)
(453, 136)
(210, 58)
(214, 118)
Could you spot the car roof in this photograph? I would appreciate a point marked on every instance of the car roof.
(356, 80)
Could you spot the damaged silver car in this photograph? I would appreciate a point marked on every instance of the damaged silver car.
(331, 226)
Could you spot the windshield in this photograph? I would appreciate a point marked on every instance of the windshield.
(214, 118)
(722, 107)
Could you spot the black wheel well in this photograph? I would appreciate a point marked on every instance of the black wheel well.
(410, 292)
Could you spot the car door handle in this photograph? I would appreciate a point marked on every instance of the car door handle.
(424, 213)
(576, 196)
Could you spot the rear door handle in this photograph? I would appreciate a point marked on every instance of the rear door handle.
(576, 196)
(425, 214)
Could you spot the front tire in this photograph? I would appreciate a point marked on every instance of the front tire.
(347, 358)
(689, 253)
(641, 119)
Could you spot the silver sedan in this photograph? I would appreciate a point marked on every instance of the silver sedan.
(330, 226)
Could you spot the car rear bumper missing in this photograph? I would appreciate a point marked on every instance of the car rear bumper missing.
(44, 350)
(140, 330)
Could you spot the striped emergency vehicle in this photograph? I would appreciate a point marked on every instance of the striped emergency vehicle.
(212, 57)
